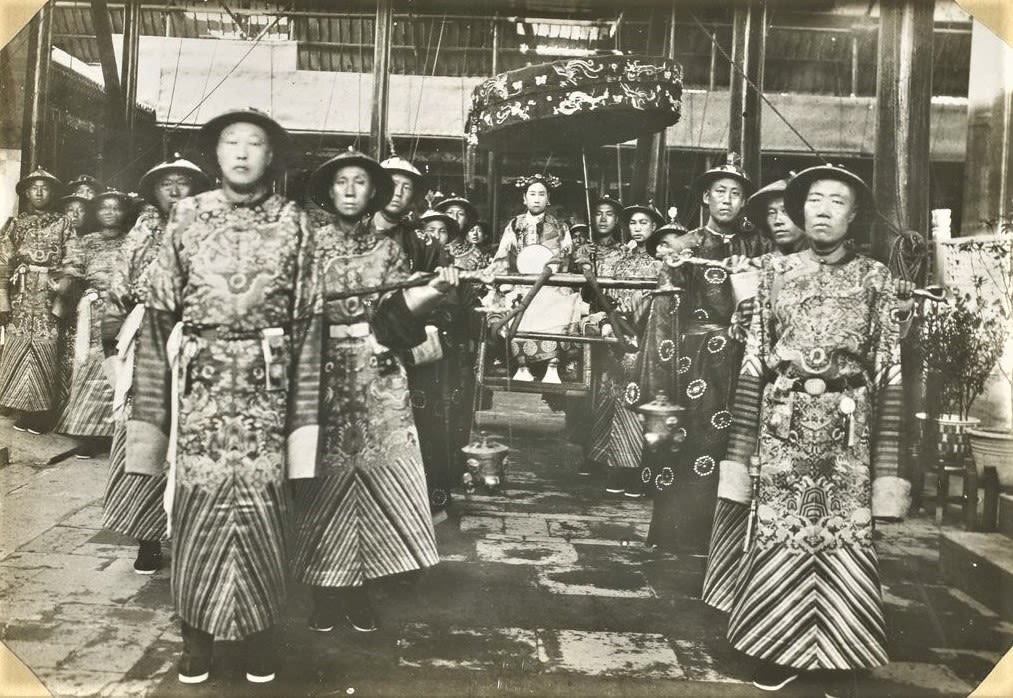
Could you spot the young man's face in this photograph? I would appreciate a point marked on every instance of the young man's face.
(437, 230)
(458, 213)
(724, 199)
(404, 192)
(783, 231)
(605, 220)
(641, 226)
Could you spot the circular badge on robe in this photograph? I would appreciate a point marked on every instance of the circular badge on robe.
(632, 395)
(722, 419)
(666, 350)
(715, 275)
(685, 363)
(703, 466)
(716, 343)
(696, 389)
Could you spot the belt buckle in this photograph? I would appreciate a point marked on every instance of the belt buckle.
(814, 386)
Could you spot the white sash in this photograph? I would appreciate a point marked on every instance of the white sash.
(82, 342)
(174, 350)
(124, 358)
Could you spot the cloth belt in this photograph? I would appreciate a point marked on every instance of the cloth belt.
(818, 386)
(18, 277)
(353, 331)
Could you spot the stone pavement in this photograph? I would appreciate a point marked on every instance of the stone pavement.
(546, 590)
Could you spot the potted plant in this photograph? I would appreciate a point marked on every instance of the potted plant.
(989, 262)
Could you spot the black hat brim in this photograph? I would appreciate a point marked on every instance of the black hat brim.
(146, 187)
(798, 189)
(755, 206)
(57, 185)
(450, 221)
(627, 214)
(458, 201)
(704, 181)
(651, 245)
(320, 182)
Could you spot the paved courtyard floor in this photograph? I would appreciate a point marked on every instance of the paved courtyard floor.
(544, 590)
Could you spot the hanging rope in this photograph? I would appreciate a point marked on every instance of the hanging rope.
(174, 127)
(878, 214)
(422, 87)
(752, 84)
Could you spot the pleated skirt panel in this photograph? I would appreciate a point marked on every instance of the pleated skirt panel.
(229, 557)
(810, 610)
(724, 560)
(133, 502)
(30, 373)
(366, 515)
(89, 409)
(360, 524)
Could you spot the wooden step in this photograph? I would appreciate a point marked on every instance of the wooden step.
(980, 565)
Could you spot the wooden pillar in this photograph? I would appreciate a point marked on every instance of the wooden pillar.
(657, 174)
(644, 178)
(128, 79)
(109, 160)
(901, 169)
(749, 47)
(904, 103)
(35, 143)
(988, 167)
(381, 78)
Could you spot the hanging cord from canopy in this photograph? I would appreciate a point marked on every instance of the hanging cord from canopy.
(422, 87)
(878, 214)
(146, 152)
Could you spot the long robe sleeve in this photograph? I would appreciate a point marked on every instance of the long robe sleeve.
(890, 492)
(148, 428)
(7, 244)
(304, 403)
(393, 324)
(749, 388)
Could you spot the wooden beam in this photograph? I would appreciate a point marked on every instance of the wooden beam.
(644, 181)
(109, 157)
(131, 41)
(381, 78)
(35, 145)
(904, 108)
(749, 46)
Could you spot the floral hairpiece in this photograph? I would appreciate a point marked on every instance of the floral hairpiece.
(550, 181)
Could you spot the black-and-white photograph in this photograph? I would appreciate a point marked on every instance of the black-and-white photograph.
(506, 347)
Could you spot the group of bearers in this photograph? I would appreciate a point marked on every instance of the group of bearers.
(223, 329)
(782, 347)
(258, 417)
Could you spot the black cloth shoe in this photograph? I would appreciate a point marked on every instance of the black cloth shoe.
(839, 684)
(773, 677)
(359, 610)
(261, 657)
(616, 483)
(587, 468)
(326, 608)
(149, 557)
(195, 662)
